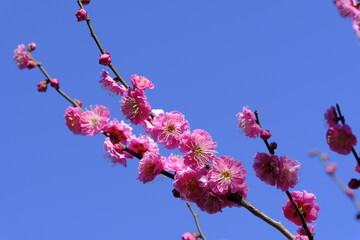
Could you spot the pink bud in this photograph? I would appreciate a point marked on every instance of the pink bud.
(330, 168)
(189, 236)
(265, 135)
(42, 86)
(357, 168)
(32, 64)
(349, 192)
(81, 15)
(313, 153)
(31, 47)
(85, 2)
(105, 59)
(54, 83)
(80, 103)
(324, 156)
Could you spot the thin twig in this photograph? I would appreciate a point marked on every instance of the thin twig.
(301, 215)
(339, 181)
(271, 151)
(102, 50)
(196, 218)
(236, 198)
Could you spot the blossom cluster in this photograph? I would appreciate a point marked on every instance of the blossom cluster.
(281, 172)
(199, 175)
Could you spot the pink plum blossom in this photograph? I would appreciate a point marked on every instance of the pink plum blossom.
(81, 15)
(288, 173)
(247, 122)
(341, 139)
(119, 132)
(21, 56)
(212, 203)
(266, 167)
(306, 204)
(174, 163)
(301, 233)
(108, 83)
(187, 183)
(134, 106)
(72, 119)
(114, 152)
(168, 129)
(105, 59)
(141, 145)
(347, 8)
(94, 121)
(227, 175)
(199, 148)
(331, 116)
(151, 165)
(140, 82)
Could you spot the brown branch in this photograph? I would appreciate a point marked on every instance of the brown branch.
(236, 198)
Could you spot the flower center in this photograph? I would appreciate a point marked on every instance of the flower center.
(170, 129)
(198, 150)
(226, 174)
(94, 121)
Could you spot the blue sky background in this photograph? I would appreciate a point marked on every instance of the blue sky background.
(290, 60)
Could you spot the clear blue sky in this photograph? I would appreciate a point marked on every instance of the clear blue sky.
(290, 60)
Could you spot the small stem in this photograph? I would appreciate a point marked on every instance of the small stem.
(48, 78)
(196, 218)
(236, 198)
(340, 183)
(271, 151)
(304, 225)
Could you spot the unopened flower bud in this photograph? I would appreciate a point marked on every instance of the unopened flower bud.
(357, 168)
(85, 2)
(189, 236)
(42, 86)
(265, 135)
(80, 103)
(273, 145)
(330, 168)
(176, 193)
(31, 47)
(81, 15)
(354, 183)
(349, 192)
(324, 157)
(105, 59)
(313, 153)
(32, 64)
(54, 83)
